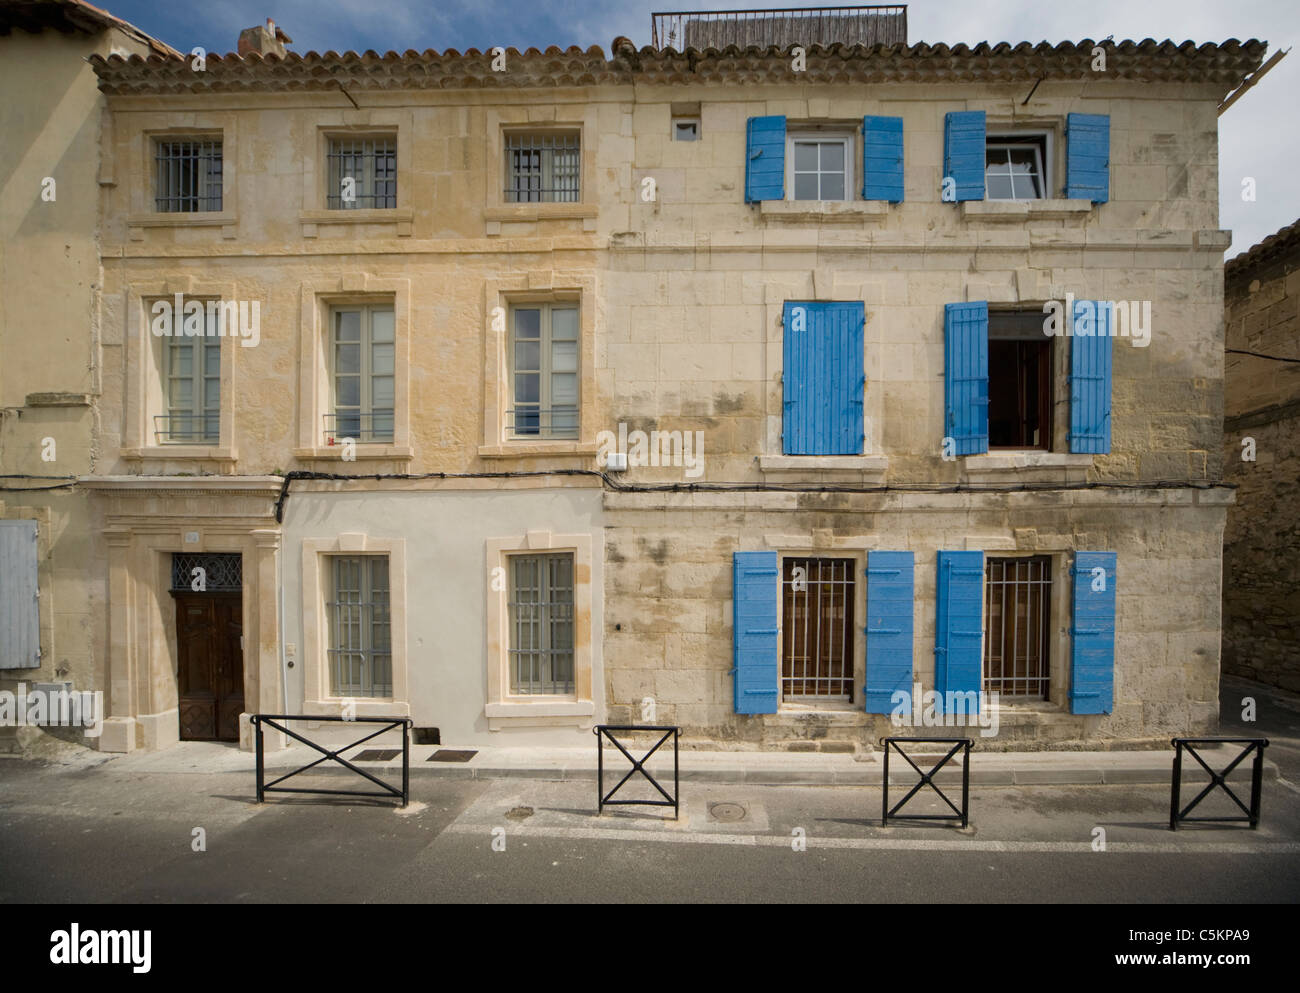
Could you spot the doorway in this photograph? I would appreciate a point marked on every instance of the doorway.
(210, 673)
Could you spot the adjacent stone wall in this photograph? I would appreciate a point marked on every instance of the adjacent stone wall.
(1261, 552)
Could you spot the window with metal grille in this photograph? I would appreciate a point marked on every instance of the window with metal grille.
(361, 358)
(360, 652)
(362, 173)
(542, 168)
(817, 628)
(541, 623)
(192, 386)
(221, 573)
(1020, 381)
(544, 371)
(1017, 612)
(187, 175)
(820, 167)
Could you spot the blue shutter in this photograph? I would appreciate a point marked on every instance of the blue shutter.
(1087, 157)
(20, 627)
(755, 586)
(958, 627)
(882, 159)
(889, 629)
(1092, 653)
(765, 159)
(822, 378)
(966, 376)
(1090, 380)
(963, 152)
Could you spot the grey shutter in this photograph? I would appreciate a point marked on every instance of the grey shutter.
(20, 627)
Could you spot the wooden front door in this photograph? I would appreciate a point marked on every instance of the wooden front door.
(209, 628)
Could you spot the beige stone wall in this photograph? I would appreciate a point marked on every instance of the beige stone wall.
(1261, 632)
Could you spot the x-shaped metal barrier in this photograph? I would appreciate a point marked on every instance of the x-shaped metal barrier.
(962, 745)
(388, 723)
(1218, 780)
(603, 799)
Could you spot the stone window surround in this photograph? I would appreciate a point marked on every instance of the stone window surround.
(504, 709)
(543, 118)
(540, 286)
(366, 123)
(142, 393)
(314, 388)
(317, 698)
(141, 212)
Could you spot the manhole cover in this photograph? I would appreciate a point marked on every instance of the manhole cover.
(727, 811)
(519, 813)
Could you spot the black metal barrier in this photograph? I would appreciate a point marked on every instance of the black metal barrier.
(603, 799)
(272, 721)
(927, 779)
(1217, 779)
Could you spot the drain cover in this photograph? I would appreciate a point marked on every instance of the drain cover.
(377, 755)
(727, 812)
(451, 755)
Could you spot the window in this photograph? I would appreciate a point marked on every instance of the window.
(541, 624)
(542, 168)
(817, 629)
(362, 173)
(192, 387)
(360, 646)
(544, 371)
(686, 129)
(187, 175)
(820, 167)
(1015, 166)
(1020, 381)
(361, 354)
(1017, 608)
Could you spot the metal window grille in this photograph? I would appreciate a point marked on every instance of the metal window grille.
(1017, 611)
(541, 623)
(187, 176)
(360, 652)
(371, 165)
(542, 168)
(817, 629)
(221, 573)
(544, 370)
(362, 353)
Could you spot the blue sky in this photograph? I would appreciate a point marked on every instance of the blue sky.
(1258, 137)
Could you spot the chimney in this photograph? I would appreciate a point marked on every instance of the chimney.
(268, 40)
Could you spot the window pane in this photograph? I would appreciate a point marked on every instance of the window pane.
(564, 356)
(564, 389)
(564, 323)
(381, 392)
(528, 323)
(381, 325)
(347, 359)
(1027, 187)
(182, 359)
(348, 391)
(832, 156)
(999, 185)
(805, 186)
(832, 186)
(805, 156)
(212, 360)
(348, 325)
(381, 359)
(527, 389)
(1023, 160)
(527, 355)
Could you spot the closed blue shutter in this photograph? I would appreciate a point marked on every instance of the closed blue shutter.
(1090, 380)
(1087, 157)
(1092, 655)
(20, 628)
(765, 159)
(755, 585)
(963, 152)
(889, 629)
(822, 378)
(966, 376)
(882, 159)
(958, 627)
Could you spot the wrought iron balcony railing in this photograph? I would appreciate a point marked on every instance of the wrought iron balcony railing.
(362, 428)
(187, 429)
(538, 422)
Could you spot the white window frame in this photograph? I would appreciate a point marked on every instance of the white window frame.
(199, 390)
(544, 372)
(366, 409)
(996, 140)
(844, 138)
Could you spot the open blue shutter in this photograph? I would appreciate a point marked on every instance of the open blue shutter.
(755, 586)
(822, 378)
(1092, 656)
(963, 152)
(765, 159)
(20, 619)
(959, 627)
(1087, 157)
(966, 376)
(889, 629)
(1090, 359)
(882, 159)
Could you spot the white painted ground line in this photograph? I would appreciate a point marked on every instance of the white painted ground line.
(882, 844)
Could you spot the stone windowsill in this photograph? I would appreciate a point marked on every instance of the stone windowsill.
(874, 465)
(513, 212)
(57, 400)
(360, 452)
(215, 453)
(533, 449)
(849, 211)
(1025, 210)
(369, 707)
(402, 217)
(1027, 460)
(183, 219)
(540, 708)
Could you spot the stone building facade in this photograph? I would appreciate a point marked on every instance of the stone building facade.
(1261, 451)
(527, 437)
